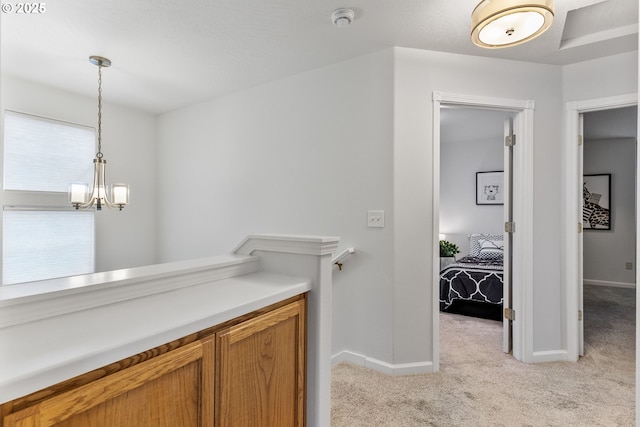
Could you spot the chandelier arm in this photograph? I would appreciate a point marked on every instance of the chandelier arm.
(103, 176)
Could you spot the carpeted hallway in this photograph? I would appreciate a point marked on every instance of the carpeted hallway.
(478, 385)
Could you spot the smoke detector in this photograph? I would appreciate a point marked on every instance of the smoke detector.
(342, 17)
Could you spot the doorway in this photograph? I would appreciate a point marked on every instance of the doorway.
(520, 301)
(608, 248)
(474, 161)
(574, 193)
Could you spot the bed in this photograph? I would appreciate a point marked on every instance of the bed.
(473, 284)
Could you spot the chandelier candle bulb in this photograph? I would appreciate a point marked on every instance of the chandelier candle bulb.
(78, 192)
(120, 194)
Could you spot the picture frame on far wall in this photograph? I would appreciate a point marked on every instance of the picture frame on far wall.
(490, 188)
(596, 206)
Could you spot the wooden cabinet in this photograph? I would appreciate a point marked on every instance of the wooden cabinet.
(260, 370)
(174, 389)
(246, 372)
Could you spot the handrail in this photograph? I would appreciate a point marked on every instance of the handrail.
(342, 255)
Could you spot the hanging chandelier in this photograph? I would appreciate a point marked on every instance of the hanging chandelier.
(115, 196)
(504, 23)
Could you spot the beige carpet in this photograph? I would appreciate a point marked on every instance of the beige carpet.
(478, 385)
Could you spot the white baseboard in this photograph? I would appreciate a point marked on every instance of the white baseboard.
(611, 284)
(384, 367)
(549, 356)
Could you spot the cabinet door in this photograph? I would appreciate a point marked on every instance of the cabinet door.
(260, 376)
(174, 389)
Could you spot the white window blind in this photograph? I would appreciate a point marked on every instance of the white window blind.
(42, 239)
(41, 245)
(45, 155)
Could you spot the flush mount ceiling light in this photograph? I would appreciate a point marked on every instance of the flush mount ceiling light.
(504, 23)
(342, 17)
(79, 194)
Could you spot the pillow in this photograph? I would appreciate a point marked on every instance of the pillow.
(491, 249)
(474, 244)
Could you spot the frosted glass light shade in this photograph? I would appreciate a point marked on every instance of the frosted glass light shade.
(120, 194)
(504, 23)
(78, 192)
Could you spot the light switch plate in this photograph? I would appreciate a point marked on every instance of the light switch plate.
(375, 219)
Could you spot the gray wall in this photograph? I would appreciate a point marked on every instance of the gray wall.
(607, 251)
(471, 141)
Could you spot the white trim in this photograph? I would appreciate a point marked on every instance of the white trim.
(435, 227)
(286, 243)
(523, 215)
(571, 215)
(549, 356)
(383, 367)
(609, 284)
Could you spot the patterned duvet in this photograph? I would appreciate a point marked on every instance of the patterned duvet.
(471, 279)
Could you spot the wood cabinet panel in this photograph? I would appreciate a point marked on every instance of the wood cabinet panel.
(173, 389)
(261, 366)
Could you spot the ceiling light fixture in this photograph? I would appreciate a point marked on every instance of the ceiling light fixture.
(342, 17)
(504, 23)
(79, 194)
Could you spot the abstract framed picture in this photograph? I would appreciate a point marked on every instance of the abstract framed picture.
(596, 206)
(490, 188)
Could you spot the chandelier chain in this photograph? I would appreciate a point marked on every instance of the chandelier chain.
(99, 153)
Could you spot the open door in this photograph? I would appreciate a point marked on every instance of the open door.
(507, 293)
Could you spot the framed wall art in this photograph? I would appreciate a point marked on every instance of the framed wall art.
(490, 188)
(596, 206)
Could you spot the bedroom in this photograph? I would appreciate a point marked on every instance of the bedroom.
(472, 157)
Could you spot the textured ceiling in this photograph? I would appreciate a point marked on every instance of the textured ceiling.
(168, 54)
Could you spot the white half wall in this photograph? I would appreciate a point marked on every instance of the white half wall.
(124, 239)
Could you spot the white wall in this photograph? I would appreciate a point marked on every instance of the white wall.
(124, 239)
(308, 154)
(479, 149)
(600, 78)
(607, 251)
(417, 75)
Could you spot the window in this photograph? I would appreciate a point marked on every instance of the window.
(43, 237)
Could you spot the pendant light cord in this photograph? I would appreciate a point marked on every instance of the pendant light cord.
(99, 153)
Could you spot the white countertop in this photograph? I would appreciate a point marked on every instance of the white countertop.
(38, 353)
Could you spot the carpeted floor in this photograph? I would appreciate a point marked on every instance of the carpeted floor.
(478, 385)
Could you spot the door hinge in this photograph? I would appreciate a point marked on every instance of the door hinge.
(509, 140)
(579, 227)
(579, 139)
(510, 314)
(580, 315)
(510, 227)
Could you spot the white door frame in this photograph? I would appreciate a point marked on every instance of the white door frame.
(572, 194)
(522, 213)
